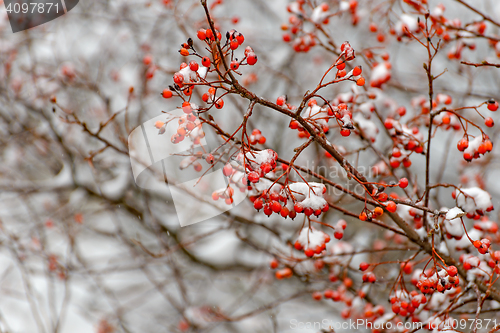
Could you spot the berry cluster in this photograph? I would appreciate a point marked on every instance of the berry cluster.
(480, 145)
(297, 33)
(405, 142)
(311, 241)
(474, 201)
(405, 304)
(258, 163)
(194, 73)
(430, 281)
(257, 137)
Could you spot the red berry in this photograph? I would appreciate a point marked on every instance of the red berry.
(205, 61)
(234, 45)
(394, 163)
(463, 144)
(489, 122)
(276, 206)
(253, 177)
(403, 182)
(147, 60)
(209, 33)
(227, 170)
(328, 293)
(382, 197)
(345, 132)
(492, 105)
(267, 210)
(309, 252)
(407, 267)
(251, 58)
(234, 65)
(360, 81)
(452, 270)
(258, 204)
(298, 208)
(316, 295)
(274, 264)
(193, 65)
(167, 93)
(356, 71)
(240, 38)
(364, 266)
(284, 212)
(391, 206)
(201, 34)
(219, 104)
(294, 124)
(178, 78)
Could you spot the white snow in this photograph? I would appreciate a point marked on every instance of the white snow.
(476, 199)
(454, 213)
(312, 238)
(367, 126)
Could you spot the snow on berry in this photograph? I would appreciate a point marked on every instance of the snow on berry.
(313, 240)
(454, 213)
(367, 109)
(380, 74)
(475, 267)
(406, 22)
(189, 75)
(263, 161)
(320, 14)
(347, 50)
(309, 195)
(452, 223)
(464, 242)
(257, 137)
(476, 147)
(344, 5)
(486, 225)
(474, 200)
(318, 115)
